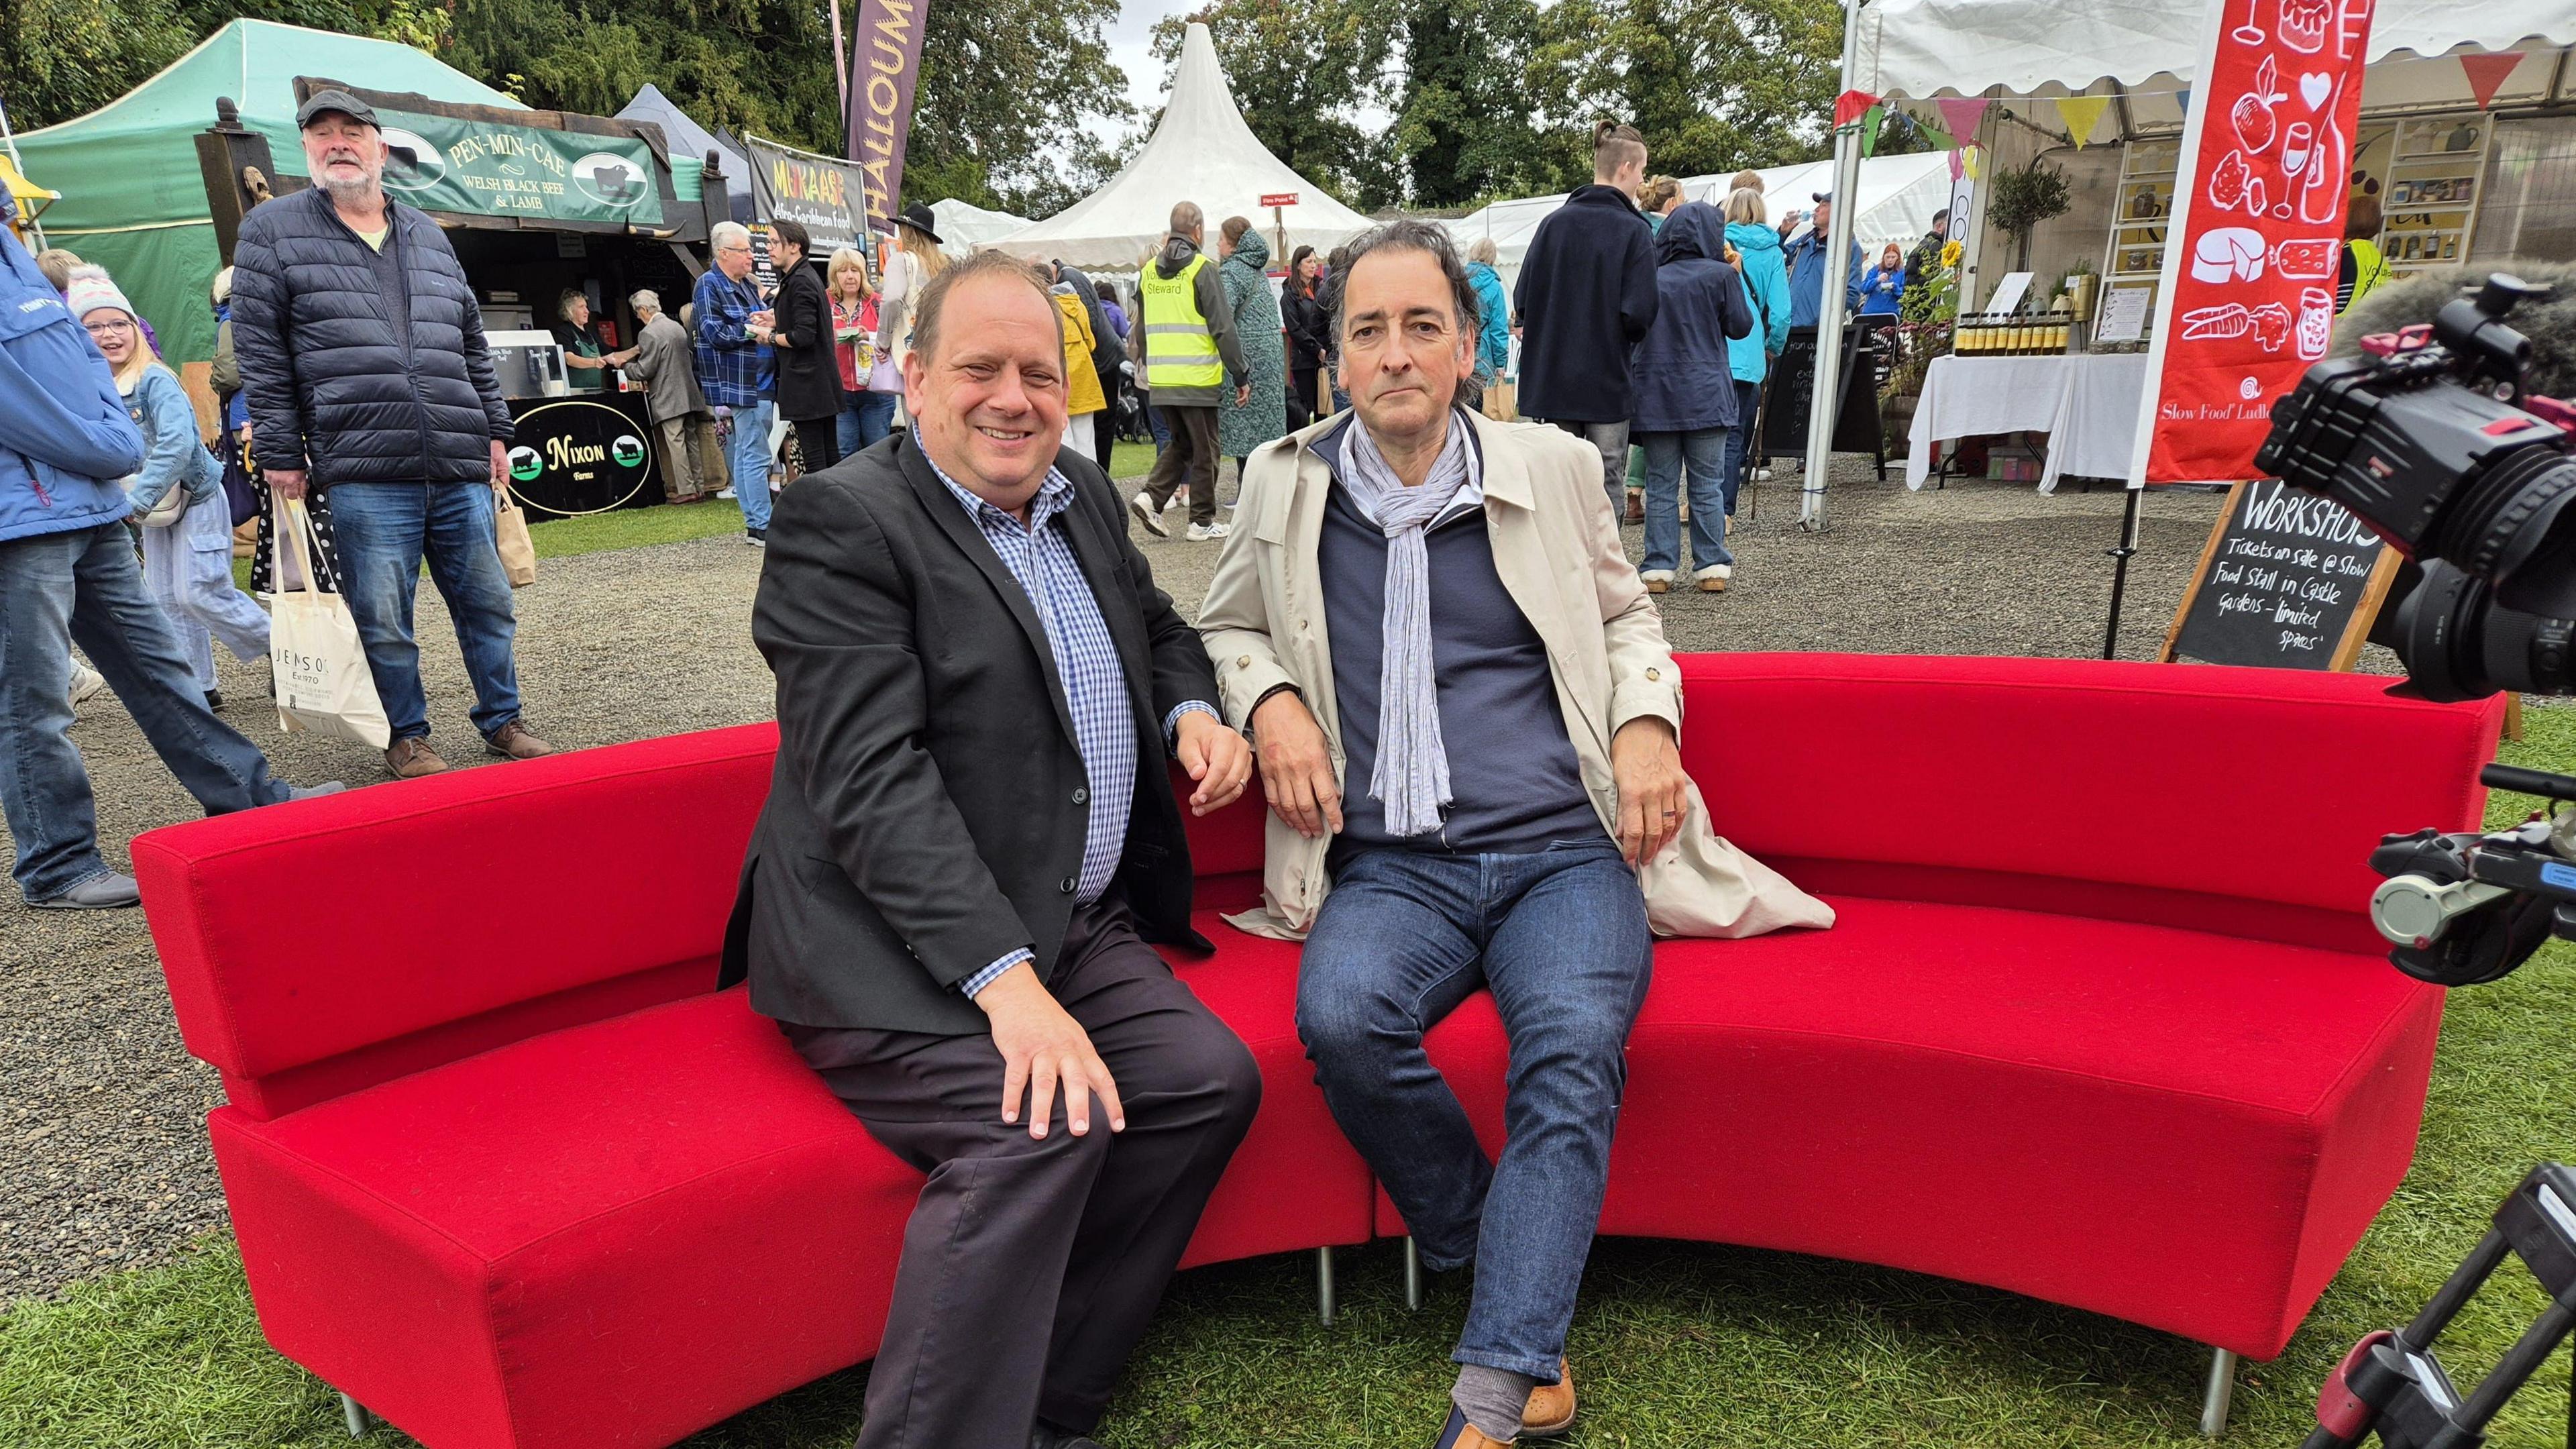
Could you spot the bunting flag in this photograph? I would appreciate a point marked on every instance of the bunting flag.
(1958, 167)
(1850, 106)
(1934, 136)
(2182, 98)
(2081, 114)
(1869, 127)
(1974, 159)
(2487, 71)
(1964, 115)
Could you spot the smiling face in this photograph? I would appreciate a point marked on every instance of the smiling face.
(343, 154)
(577, 311)
(115, 335)
(991, 401)
(1403, 353)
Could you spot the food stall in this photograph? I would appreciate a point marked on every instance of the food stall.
(535, 203)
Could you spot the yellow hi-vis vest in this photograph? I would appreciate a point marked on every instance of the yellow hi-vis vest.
(2369, 268)
(1179, 349)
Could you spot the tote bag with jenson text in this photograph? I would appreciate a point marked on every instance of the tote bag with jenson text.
(319, 665)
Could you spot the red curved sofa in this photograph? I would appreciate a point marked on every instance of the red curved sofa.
(2102, 1023)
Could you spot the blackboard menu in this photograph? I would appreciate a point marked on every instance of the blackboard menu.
(2288, 580)
(1791, 393)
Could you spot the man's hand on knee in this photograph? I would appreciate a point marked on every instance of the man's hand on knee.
(1043, 1047)
(1297, 766)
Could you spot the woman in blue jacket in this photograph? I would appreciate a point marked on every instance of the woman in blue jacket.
(1685, 398)
(1766, 290)
(67, 572)
(1882, 292)
(1493, 314)
(187, 558)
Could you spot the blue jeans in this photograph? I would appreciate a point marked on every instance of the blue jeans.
(1560, 939)
(84, 586)
(1739, 439)
(384, 530)
(865, 417)
(1162, 429)
(748, 451)
(188, 570)
(1705, 452)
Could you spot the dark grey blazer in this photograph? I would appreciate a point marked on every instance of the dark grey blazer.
(923, 820)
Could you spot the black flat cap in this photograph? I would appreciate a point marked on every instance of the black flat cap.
(341, 101)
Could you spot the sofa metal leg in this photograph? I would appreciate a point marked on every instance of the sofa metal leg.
(355, 1415)
(1324, 1286)
(2222, 1391)
(1412, 1273)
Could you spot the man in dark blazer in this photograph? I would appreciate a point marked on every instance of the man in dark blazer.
(969, 841)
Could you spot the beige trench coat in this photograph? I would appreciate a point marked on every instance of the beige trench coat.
(1557, 548)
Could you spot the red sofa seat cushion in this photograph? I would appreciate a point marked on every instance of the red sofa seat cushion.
(2174, 1128)
(664, 1211)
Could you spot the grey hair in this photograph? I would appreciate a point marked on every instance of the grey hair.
(725, 233)
(1482, 249)
(645, 300)
(1428, 238)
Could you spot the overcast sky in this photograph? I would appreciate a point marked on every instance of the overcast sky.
(1131, 38)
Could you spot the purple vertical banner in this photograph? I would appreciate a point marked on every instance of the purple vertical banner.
(882, 73)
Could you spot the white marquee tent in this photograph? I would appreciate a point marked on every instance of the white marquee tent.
(1201, 151)
(1898, 195)
(965, 228)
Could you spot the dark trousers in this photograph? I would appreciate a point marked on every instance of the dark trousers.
(1301, 397)
(1031, 1265)
(818, 441)
(1190, 458)
(1104, 427)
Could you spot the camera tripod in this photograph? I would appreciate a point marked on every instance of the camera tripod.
(2392, 1385)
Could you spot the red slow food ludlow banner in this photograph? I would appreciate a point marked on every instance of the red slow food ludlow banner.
(2249, 279)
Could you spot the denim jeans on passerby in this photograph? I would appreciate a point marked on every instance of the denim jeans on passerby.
(1560, 939)
(1612, 440)
(865, 418)
(1739, 439)
(188, 570)
(84, 586)
(748, 453)
(384, 531)
(1704, 453)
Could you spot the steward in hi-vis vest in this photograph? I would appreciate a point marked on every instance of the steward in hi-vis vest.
(1190, 346)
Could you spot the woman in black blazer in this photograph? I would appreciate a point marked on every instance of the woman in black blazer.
(809, 380)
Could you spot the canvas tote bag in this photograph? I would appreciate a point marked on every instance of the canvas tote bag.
(319, 665)
(510, 536)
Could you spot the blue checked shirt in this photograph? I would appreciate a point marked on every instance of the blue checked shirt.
(1086, 659)
(732, 367)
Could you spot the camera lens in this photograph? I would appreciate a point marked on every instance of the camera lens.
(2458, 642)
(2514, 526)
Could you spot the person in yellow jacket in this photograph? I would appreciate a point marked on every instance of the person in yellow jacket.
(2364, 267)
(1193, 358)
(1083, 399)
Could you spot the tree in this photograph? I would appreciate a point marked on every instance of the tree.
(1714, 87)
(1463, 125)
(1300, 71)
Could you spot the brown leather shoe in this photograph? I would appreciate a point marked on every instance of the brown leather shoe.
(411, 758)
(513, 742)
(1551, 1406)
(1636, 508)
(1459, 1434)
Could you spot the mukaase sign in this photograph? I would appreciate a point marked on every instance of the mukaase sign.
(490, 168)
(881, 77)
(816, 192)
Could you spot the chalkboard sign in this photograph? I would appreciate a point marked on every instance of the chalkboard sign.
(1792, 391)
(2288, 580)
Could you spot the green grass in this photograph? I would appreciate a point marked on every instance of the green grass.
(1675, 1344)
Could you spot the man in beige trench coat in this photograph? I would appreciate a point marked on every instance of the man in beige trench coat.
(1467, 720)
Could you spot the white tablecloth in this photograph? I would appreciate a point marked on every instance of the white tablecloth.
(2086, 403)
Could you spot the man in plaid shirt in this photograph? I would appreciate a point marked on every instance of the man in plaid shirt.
(734, 369)
(971, 837)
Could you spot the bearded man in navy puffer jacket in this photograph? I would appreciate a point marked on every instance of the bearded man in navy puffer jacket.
(362, 352)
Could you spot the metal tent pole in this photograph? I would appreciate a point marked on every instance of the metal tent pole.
(1825, 404)
(2120, 571)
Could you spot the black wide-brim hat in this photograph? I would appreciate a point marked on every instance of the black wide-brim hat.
(918, 217)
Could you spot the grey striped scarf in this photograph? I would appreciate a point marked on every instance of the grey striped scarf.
(1412, 774)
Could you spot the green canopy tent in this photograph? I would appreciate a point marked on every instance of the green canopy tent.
(134, 198)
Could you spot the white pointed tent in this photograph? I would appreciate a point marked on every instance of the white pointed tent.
(1201, 151)
(965, 229)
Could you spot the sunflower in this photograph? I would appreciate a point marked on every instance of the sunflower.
(1951, 252)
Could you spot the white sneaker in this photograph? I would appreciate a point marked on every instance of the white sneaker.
(1142, 507)
(1658, 581)
(725, 492)
(1761, 475)
(1201, 533)
(86, 682)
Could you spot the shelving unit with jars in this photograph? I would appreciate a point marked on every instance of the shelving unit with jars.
(2429, 204)
(2142, 211)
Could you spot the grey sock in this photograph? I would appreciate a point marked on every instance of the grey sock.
(1493, 1400)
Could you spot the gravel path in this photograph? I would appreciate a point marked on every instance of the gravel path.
(103, 1160)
